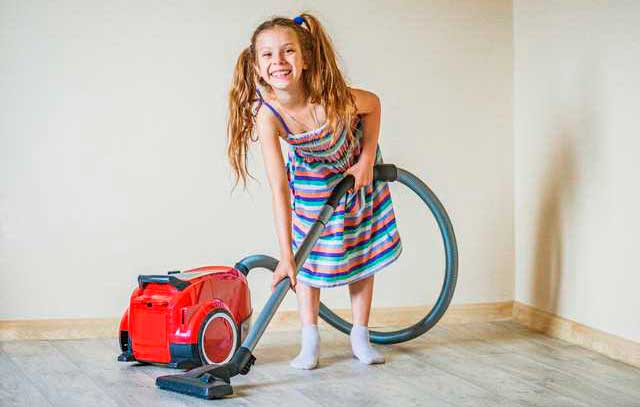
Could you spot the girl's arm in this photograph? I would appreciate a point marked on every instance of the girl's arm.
(268, 129)
(368, 107)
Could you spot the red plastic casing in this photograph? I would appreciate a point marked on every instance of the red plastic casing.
(160, 314)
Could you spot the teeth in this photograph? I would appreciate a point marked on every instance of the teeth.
(280, 74)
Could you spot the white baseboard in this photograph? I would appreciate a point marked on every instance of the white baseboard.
(610, 345)
(51, 329)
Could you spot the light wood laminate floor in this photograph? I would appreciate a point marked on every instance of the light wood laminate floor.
(488, 364)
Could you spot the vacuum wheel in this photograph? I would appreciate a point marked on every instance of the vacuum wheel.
(219, 338)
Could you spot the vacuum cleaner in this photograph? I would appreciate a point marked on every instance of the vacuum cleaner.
(186, 319)
(202, 317)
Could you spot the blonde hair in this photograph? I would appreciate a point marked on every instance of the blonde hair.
(323, 82)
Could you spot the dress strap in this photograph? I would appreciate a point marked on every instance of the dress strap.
(275, 112)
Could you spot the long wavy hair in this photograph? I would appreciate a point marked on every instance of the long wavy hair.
(323, 82)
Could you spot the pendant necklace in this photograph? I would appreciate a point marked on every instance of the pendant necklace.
(304, 125)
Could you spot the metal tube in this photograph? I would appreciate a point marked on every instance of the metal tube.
(283, 286)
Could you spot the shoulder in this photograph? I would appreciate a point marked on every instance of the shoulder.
(366, 101)
(267, 125)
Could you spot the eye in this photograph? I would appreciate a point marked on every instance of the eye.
(290, 51)
(266, 54)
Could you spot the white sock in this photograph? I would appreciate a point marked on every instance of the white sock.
(362, 348)
(310, 349)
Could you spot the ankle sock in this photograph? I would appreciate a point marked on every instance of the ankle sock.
(309, 350)
(361, 347)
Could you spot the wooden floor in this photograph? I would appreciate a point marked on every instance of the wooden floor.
(489, 364)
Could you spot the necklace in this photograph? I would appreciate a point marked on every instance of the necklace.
(304, 125)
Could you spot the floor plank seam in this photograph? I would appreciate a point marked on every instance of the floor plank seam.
(27, 377)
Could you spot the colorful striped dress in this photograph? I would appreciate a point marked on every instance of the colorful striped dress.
(361, 237)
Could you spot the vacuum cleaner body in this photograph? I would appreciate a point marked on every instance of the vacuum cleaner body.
(186, 319)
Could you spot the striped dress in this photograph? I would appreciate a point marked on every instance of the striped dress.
(361, 237)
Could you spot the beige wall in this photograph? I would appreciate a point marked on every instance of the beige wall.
(577, 98)
(112, 145)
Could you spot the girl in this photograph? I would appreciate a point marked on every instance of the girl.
(287, 86)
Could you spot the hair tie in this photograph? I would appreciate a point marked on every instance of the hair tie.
(298, 20)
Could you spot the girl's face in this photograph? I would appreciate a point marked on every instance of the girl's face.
(280, 60)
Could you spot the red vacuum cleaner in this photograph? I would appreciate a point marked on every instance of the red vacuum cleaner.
(186, 319)
(203, 316)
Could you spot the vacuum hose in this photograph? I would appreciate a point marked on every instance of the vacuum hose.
(386, 173)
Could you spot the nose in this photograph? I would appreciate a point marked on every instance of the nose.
(279, 58)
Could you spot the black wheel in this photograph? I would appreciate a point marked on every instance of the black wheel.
(450, 272)
(219, 338)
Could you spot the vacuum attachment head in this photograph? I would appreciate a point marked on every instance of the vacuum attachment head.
(205, 386)
(211, 381)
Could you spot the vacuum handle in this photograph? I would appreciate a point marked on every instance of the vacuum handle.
(381, 172)
(162, 279)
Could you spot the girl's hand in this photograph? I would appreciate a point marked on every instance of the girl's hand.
(362, 172)
(285, 268)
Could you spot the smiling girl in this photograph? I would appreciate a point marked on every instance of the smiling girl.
(287, 87)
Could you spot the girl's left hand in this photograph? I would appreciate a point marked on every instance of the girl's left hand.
(362, 171)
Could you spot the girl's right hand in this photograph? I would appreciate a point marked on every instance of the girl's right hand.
(285, 268)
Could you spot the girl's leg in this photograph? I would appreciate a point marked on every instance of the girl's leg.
(308, 308)
(308, 303)
(361, 294)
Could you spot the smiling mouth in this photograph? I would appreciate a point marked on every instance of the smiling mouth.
(282, 73)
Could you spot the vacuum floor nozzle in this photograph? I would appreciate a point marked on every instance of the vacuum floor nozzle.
(209, 381)
(205, 386)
